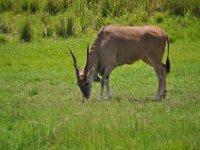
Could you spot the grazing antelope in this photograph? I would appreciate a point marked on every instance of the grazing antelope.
(118, 45)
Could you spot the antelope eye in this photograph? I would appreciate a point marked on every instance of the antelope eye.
(86, 84)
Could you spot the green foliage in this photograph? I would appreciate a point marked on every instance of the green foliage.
(181, 7)
(84, 22)
(51, 7)
(65, 4)
(91, 15)
(6, 5)
(159, 17)
(25, 5)
(41, 106)
(34, 6)
(4, 28)
(47, 30)
(26, 33)
(2, 39)
(65, 28)
(99, 23)
(106, 8)
(33, 92)
(70, 26)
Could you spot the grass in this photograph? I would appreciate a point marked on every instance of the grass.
(41, 106)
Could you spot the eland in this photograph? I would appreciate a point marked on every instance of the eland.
(118, 45)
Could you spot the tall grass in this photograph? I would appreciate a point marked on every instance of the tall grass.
(34, 6)
(6, 5)
(106, 7)
(25, 32)
(41, 108)
(65, 28)
(92, 15)
(51, 7)
(25, 5)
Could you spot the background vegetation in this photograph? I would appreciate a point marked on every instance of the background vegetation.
(40, 104)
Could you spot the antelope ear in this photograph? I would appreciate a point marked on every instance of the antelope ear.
(79, 73)
(90, 74)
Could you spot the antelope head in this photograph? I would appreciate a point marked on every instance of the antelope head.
(84, 77)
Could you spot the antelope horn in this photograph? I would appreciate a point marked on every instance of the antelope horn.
(74, 58)
(75, 64)
(87, 62)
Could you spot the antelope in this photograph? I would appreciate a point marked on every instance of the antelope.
(118, 45)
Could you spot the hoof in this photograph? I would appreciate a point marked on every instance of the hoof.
(99, 98)
(109, 97)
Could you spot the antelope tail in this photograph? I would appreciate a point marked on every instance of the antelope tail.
(168, 65)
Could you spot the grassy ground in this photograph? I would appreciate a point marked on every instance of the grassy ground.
(41, 106)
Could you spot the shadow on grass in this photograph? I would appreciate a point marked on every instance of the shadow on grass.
(118, 99)
(142, 100)
(136, 99)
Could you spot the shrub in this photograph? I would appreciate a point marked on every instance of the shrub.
(99, 23)
(24, 5)
(159, 18)
(4, 28)
(65, 29)
(61, 28)
(177, 7)
(34, 7)
(47, 32)
(144, 16)
(33, 92)
(65, 4)
(51, 7)
(70, 28)
(84, 21)
(118, 8)
(6, 5)
(106, 8)
(26, 32)
(2, 39)
(132, 22)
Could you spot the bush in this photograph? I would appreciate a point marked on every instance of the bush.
(65, 4)
(2, 39)
(34, 7)
(65, 29)
(33, 92)
(61, 29)
(99, 23)
(51, 7)
(106, 8)
(47, 32)
(26, 32)
(119, 8)
(24, 5)
(159, 18)
(181, 7)
(6, 5)
(70, 27)
(84, 22)
(4, 28)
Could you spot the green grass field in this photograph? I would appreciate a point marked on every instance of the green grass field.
(41, 105)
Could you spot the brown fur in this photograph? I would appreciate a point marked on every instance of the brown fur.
(118, 45)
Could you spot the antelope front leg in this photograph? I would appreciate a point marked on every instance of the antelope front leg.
(105, 80)
(109, 95)
(100, 97)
